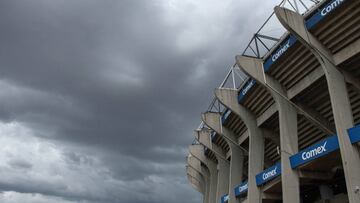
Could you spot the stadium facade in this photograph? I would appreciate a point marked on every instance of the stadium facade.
(290, 131)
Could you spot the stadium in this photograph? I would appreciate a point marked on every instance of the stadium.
(284, 125)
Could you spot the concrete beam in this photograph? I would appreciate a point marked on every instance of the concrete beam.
(243, 137)
(326, 125)
(347, 52)
(306, 82)
(266, 115)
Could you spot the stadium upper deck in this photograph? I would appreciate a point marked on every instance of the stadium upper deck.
(288, 132)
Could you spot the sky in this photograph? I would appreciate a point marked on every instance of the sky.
(99, 98)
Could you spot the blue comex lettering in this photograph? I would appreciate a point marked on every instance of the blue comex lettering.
(241, 189)
(268, 174)
(314, 152)
(281, 51)
(225, 198)
(247, 88)
(318, 16)
(330, 7)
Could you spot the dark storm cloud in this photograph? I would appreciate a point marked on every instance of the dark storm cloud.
(122, 79)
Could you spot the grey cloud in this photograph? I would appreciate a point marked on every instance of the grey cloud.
(19, 164)
(126, 80)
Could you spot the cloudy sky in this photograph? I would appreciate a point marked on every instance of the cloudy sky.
(99, 98)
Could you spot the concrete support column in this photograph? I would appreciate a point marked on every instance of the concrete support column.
(236, 171)
(197, 177)
(202, 180)
(288, 147)
(287, 124)
(236, 162)
(195, 183)
(198, 152)
(204, 137)
(223, 178)
(206, 175)
(339, 97)
(228, 97)
(196, 165)
(237, 154)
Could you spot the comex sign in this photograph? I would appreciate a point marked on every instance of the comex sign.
(328, 8)
(225, 198)
(279, 52)
(331, 6)
(241, 189)
(268, 174)
(315, 151)
(246, 89)
(354, 134)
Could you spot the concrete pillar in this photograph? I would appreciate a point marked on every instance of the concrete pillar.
(228, 97)
(206, 175)
(203, 136)
(196, 165)
(339, 97)
(195, 183)
(223, 178)
(198, 152)
(201, 180)
(236, 171)
(237, 154)
(287, 124)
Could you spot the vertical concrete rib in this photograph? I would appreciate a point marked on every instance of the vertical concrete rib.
(228, 97)
(206, 174)
(198, 152)
(195, 183)
(339, 97)
(196, 165)
(287, 125)
(223, 178)
(236, 170)
(212, 120)
(197, 176)
(203, 136)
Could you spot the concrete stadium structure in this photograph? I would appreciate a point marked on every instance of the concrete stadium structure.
(290, 131)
